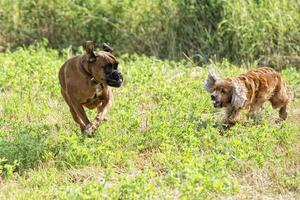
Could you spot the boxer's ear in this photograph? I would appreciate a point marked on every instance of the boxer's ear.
(89, 48)
(107, 48)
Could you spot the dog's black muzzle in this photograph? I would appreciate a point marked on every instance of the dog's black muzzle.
(115, 79)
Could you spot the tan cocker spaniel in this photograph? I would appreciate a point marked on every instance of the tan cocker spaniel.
(248, 91)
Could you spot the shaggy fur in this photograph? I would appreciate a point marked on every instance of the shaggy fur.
(248, 91)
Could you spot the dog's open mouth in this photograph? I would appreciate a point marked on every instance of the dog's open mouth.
(115, 79)
(114, 83)
(217, 104)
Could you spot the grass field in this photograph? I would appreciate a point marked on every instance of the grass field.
(162, 140)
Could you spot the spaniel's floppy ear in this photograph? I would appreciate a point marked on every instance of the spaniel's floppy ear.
(239, 95)
(89, 48)
(212, 77)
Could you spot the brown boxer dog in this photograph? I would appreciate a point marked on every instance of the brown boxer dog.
(86, 81)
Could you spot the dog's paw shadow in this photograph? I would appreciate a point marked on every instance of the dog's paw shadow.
(225, 128)
(206, 123)
(252, 122)
(88, 134)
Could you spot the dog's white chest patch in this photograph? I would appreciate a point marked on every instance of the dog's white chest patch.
(98, 89)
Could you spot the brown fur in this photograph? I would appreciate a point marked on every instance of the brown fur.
(84, 83)
(249, 91)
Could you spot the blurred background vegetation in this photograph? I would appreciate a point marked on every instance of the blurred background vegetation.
(243, 31)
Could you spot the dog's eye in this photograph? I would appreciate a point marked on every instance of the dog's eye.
(108, 68)
(116, 66)
(109, 65)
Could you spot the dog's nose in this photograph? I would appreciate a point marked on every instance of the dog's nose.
(213, 97)
(116, 75)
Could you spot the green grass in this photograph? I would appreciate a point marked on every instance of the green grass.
(162, 139)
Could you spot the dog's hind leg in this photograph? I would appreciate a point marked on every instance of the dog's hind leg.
(280, 100)
(74, 115)
(79, 111)
(76, 119)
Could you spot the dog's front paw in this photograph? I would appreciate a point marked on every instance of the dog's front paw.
(87, 133)
(89, 129)
(229, 122)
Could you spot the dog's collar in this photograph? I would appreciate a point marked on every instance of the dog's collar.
(89, 74)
